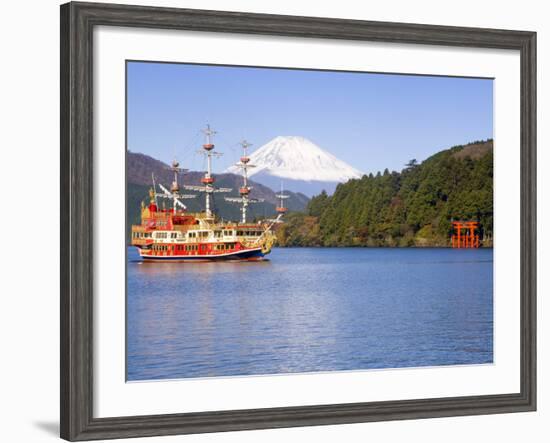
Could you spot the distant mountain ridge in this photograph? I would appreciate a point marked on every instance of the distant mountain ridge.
(140, 167)
(299, 164)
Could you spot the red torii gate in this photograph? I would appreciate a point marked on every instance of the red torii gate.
(468, 239)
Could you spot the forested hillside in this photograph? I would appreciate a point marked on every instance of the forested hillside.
(413, 207)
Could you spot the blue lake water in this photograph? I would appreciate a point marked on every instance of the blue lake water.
(308, 310)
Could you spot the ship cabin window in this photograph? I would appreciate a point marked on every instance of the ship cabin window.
(248, 233)
(173, 235)
(192, 234)
(217, 234)
(228, 233)
(203, 233)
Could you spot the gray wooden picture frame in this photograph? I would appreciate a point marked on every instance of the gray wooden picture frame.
(77, 217)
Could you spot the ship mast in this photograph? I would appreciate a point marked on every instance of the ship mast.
(281, 208)
(208, 180)
(244, 190)
(175, 189)
(174, 192)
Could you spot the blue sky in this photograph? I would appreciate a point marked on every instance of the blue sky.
(371, 121)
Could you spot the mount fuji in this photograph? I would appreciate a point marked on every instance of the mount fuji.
(299, 164)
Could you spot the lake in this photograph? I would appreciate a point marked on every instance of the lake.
(309, 310)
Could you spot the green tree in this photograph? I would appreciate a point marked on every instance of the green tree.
(415, 206)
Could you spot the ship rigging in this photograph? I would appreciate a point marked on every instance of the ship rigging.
(244, 190)
(177, 235)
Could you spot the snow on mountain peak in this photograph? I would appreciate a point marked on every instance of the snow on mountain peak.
(297, 158)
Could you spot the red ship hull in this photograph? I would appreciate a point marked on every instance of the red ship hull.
(254, 254)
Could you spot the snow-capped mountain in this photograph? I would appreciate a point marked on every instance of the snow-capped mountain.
(300, 164)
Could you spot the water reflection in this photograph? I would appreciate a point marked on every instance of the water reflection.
(309, 310)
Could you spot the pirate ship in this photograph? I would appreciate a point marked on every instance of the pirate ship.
(176, 235)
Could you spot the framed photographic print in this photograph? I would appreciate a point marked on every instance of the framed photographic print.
(273, 221)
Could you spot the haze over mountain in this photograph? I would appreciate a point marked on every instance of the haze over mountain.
(299, 164)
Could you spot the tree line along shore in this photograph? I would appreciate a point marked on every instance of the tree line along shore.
(411, 208)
